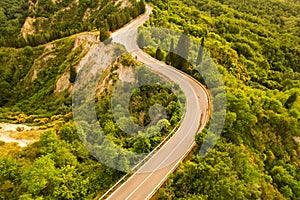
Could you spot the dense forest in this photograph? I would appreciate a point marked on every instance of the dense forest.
(29, 75)
(47, 20)
(36, 82)
(255, 45)
(59, 166)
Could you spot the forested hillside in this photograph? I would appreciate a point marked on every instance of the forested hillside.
(38, 68)
(59, 166)
(30, 75)
(31, 22)
(256, 45)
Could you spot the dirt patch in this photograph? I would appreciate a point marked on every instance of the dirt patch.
(48, 57)
(28, 28)
(126, 74)
(32, 4)
(12, 133)
(13, 127)
(88, 39)
(124, 3)
(87, 14)
(49, 46)
(63, 83)
(105, 84)
(297, 139)
(34, 75)
(21, 143)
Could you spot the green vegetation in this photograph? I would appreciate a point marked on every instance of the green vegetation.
(56, 167)
(59, 166)
(255, 45)
(142, 99)
(28, 78)
(53, 20)
(12, 17)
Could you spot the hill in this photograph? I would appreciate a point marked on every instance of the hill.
(255, 45)
(35, 22)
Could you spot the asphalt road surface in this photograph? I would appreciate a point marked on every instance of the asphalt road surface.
(144, 183)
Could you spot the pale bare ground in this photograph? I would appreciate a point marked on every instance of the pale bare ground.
(63, 83)
(5, 127)
(20, 142)
(126, 74)
(124, 3)
(28, 28)
(48, 57)
(86, 40)
(9, 134)
(87, 14)
(297, 139)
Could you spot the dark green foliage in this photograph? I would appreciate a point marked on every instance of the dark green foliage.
(289, 102)
(255, 46)
(142, 6)
(60, 19)
(12, 17)
(61, 169)
(73, 74)
(180, 57)
(142, 99)
(200, 53)
(159, 54)
(28, 77)
(141, 41)
(170, 55)
(112, 21)
(104, 34)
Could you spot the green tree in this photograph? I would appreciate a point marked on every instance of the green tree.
(104, 34)
(289, 102)
(5, 92)
(142, 6)
(39, 179)
(70, 184)
(111, 20)
(73, 74)
(181, 53)
(159, 54)
(170, 55)
(141, 40)
(200, 53)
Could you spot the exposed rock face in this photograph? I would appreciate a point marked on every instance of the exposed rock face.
(124, 3)
(28, 28)
(87, 41)
(126, 74)
(63, 83)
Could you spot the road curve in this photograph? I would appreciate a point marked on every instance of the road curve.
(145, 182)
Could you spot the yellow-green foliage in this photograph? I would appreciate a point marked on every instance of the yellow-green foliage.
(255, 45)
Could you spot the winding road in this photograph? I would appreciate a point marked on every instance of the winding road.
(144, 183)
